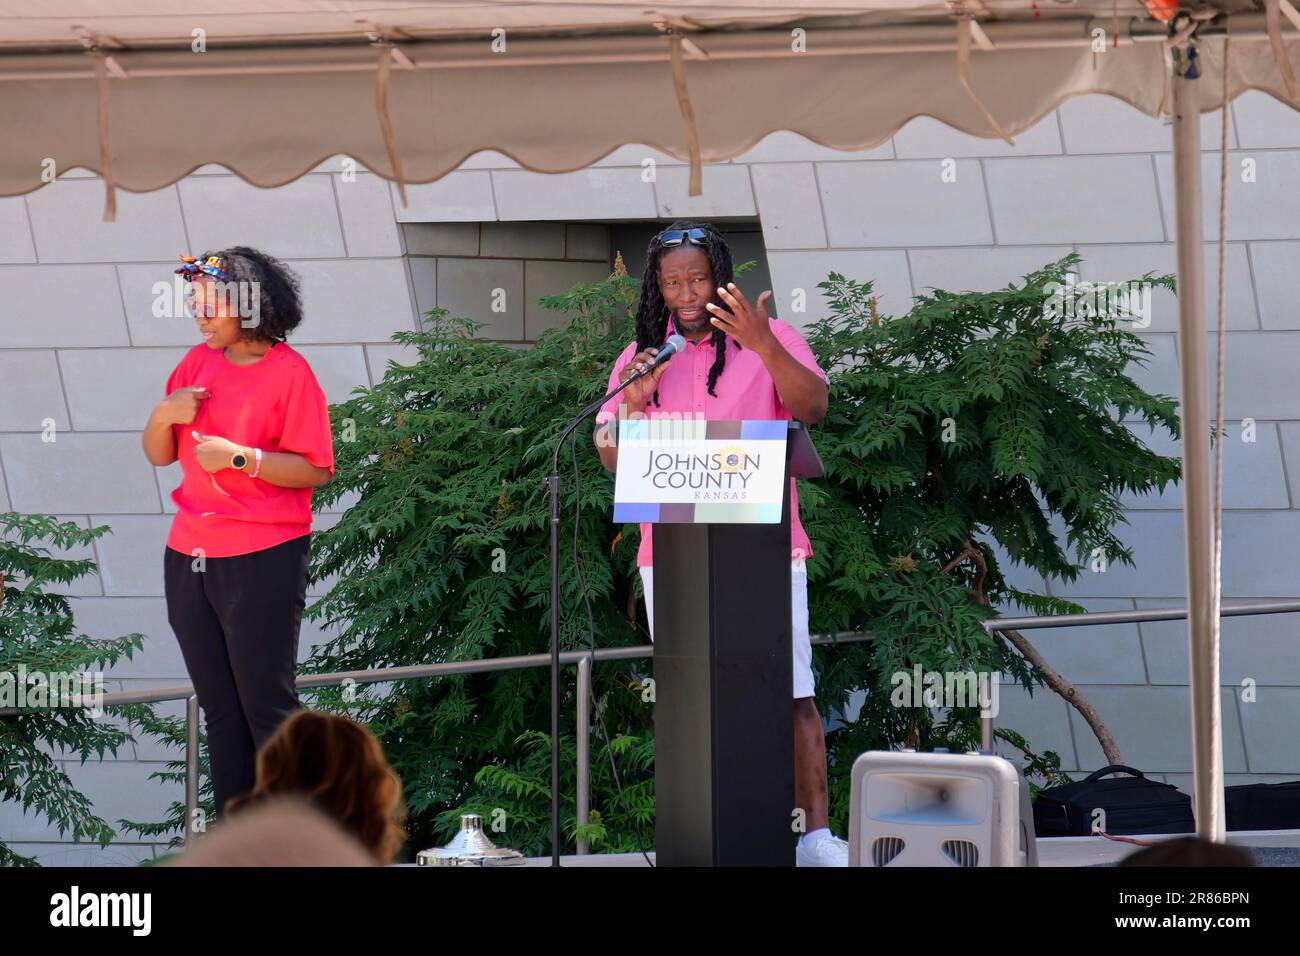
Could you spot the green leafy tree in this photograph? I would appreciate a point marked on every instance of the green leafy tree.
(38, 636)
(445, 557)
(976, 425)
(964, 429)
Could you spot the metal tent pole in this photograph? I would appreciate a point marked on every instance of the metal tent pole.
(1202, 601)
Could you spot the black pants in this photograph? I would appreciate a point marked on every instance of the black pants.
(237, 622)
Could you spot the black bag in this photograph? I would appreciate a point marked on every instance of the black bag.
(1132, 804)
(1262, 806)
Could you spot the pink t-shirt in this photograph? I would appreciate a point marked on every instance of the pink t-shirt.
(275, 404)
(745, 391)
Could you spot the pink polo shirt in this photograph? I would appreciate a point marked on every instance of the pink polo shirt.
(745, 391)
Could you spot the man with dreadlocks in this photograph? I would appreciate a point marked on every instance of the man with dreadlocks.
(738, 364)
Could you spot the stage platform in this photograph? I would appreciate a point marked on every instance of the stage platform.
(1052, 851)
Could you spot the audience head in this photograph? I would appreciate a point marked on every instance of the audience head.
(339, 766)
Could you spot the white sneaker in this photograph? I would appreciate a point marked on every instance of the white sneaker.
(826, 850)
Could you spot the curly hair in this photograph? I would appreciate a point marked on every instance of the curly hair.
(652, 313)
(281, 304)
(339, 766)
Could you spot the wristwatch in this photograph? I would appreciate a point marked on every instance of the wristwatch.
(239, 461)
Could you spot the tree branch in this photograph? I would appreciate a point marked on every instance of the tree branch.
(1073, 696)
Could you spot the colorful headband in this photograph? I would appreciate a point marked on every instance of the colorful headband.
(215, 266)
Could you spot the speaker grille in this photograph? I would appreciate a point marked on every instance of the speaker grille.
(962, 852)
(884, 849)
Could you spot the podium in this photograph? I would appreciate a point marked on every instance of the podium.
(724, 744)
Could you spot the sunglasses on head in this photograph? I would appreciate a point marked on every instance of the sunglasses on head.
(675, 237)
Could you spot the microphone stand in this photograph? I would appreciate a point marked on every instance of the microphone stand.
(553, 483)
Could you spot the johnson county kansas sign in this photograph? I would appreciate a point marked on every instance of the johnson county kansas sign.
(676, 470)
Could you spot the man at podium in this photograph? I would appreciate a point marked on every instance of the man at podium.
(738, 364)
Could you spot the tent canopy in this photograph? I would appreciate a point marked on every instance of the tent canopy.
(153, 23)
(144, 92)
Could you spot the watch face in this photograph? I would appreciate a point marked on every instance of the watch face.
(239, 461)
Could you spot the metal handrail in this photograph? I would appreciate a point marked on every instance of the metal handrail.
(998, 625)
(584, 660)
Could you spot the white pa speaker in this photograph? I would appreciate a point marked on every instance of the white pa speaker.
(939, 809)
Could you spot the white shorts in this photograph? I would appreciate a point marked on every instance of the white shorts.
(801, 642)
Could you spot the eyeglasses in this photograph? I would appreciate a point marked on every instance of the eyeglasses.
(674, 237)
(193, 308)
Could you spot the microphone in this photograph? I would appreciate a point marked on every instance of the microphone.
(670, 348)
